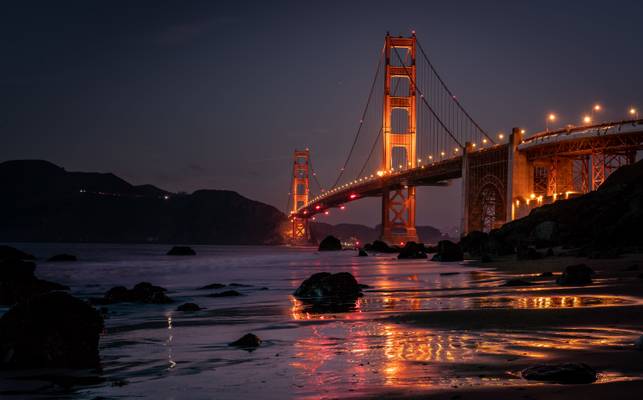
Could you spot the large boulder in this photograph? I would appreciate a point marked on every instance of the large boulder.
(448, 251)
(62, 258)
(249, 342)
(579, 274)
(475, 243)
(362, 253)
(379, 246)
(524, 252)
(18, 282)
(330, 243)
(188, 307)
(143, 292)
(324, 286)
(52, 330)
(412, 250)
(560, 373)
(181, 251)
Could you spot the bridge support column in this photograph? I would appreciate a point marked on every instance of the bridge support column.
(466, 188)
(398, 204)
(520, 180)
(300, 190)
(398, 216)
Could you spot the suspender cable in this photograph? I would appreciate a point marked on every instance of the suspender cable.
(361, 121)
(455, 100)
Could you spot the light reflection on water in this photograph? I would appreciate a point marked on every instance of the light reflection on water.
(306, 353)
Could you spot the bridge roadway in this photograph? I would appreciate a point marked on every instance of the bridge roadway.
(571, 141)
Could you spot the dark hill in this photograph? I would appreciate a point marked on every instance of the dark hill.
(610, 216)
(367, 234)
(40, 201)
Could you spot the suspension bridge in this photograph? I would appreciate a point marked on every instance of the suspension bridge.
(425, 137)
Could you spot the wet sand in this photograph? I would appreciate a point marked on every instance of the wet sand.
(554, 325)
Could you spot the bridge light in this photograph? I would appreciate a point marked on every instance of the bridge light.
(342, 207)
(634, 112)
(326, 212)
(532, 196)
(551, 117)
(501, 135)
(352, 196)
(456, 149)
(430, 157)
(484, 140)
(523, 131)
(380, 173)
(419, 160)
(442, 153)
(597, 107)
(473, 145)
(313, 218)
(587, 119)
(317, 207)
(400, 166)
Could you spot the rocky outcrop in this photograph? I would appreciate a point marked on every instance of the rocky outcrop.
(568, 373)
(249, 341)
(324, 286)
(18, 282)
(212, 286)
(181, 251)
(379, 246)
(448, 251)
(143, 292)
(330, 243)
(579, 274)
(62, 258)
(11, 253)
(189, 307)
(412, 250)
(52, 330)
(227, 293)
(362, 253)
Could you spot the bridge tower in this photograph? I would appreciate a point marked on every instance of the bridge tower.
(299, 195)
(398, 203)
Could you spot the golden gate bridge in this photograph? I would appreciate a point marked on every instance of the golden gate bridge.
(427, 138)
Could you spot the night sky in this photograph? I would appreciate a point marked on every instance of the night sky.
(188, 95)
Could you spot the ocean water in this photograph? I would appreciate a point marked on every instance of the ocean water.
(153, 351)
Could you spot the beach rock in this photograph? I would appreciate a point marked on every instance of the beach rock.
(247, 341)
(486, 258)
(362, 253)
(212, 286)
(475, 243)
(517, 282)
(62, 257)
(188, 307)
(18, 282)
(143, 292)
(528, 253)
(52, 330)
(638, 343)
(379, 247)
(227, 293)
(545, 232)
(327, 286)
(181, 251)
(330, 243)
(11, 253)
(412, 250)
(560, 373)
(579, 274)
(239, 285)
(448, 251)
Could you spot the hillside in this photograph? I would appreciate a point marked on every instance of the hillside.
(40, 201)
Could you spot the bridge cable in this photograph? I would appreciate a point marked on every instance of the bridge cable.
(310, 164)
(424, 99)
(426, 58)
(361, 121)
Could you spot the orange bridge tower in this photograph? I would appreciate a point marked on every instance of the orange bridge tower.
(399, 128)
(299, 195)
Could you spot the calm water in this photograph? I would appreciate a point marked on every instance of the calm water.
(153, 351)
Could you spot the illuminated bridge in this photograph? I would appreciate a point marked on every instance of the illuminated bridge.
(427, 138)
